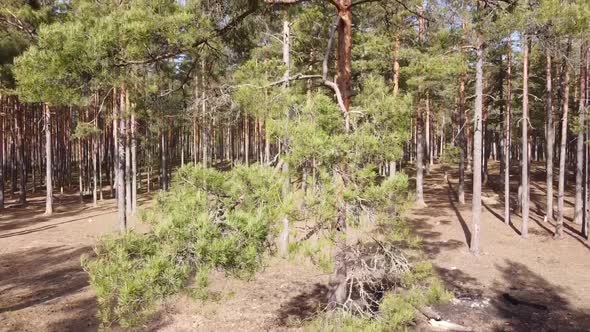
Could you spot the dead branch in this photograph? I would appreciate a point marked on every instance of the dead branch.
(372, 269)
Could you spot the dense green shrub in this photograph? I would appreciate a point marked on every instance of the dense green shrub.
(209, 219)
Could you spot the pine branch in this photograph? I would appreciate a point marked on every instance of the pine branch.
(252, 8)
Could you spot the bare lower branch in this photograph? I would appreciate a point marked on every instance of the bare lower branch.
(326, 82)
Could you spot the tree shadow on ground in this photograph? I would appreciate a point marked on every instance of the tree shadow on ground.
(439, 196)
(520, 301)
(451, 194)
(12, 218)
(45, 275)
(531, 303)
(303, 306)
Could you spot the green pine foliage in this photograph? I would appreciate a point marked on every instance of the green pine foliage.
(208, 220)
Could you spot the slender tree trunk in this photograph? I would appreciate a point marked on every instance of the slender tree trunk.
(94, 146)
(94, 170)
(428, 138)
(586, 219)
(48, 164)
(579, 203)
(125, 103)
(420, 132)
(163, 166)
(344, 78)
(562, 151)
(550, 138)
(396, 47)
(1, 152)
(507, 133)
(204, 131)
(419, 158)
(80, 174)
(120, 173)
(20, 152)
(525, 137)
(477, 147)
(133, 165)
(284, 235)
(463, 125)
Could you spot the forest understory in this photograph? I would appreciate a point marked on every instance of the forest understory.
(329, 165)
(513, 285)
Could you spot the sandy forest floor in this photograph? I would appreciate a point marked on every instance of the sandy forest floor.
(538, 284)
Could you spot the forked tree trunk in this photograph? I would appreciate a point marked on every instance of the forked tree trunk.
(477, 147)
(525, 138)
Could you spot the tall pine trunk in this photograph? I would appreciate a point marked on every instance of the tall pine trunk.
(94, 142)
(339, 286)
(428, 144)
(164, 161)
(477, 148)
(462, 142)
(128, 205)
(525, 138)
(20, 152)
(133, 165)
(1, 152)
(579, 203)
(284, 235)
(48, 167)
(204, 126)
(420, 131)
(507, 133)
(120, 173)
(550, 138)
(562, 150)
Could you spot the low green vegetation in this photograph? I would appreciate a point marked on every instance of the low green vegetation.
(229, 221)
(209, 219)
